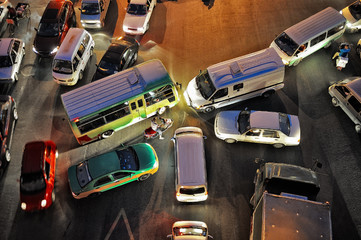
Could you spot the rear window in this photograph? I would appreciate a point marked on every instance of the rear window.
(32, 183)
(192, 191)
(285, 125)
(50, 14)
(82, 173)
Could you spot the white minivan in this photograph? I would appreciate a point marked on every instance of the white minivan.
(93, 13)
(72, 57)
(190, 161)
(309, 35)
(252, 75)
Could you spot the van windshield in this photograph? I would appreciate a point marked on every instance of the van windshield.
(61, 66)
(48, 29)
(286, 44)
(285, 124)
(137, 9)
(205, 85)
(90, 8)
(192, 191)
(190, 230)
(244, 122)
(32, 183)
(355, 10)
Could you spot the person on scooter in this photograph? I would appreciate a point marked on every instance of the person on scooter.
(156, 127)
(12, 14)
(344, 50)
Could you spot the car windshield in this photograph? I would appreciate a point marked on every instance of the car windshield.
(244, 121)
(90, 8)
(48, 29)
(61, 66)
(286, 44)
(110, 64)
(82, 174)
(5, 61)
(355, 10)
(137, 9)
(285, 124)
(205, 85)
(128, 159)
(190, 230)
(32, 182)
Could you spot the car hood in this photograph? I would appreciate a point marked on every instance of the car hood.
(73, 181)
(133, 21)
(146, 156)
(45, 44)
(91, 18)
(5, 73)
(226, 122)
(295, 130)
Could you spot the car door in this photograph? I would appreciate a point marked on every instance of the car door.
(270, 136)
(122, 177)
(252, 135)
(64, 27)
(17, 51)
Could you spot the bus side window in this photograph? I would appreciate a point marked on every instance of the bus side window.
(133, 105)
(140, 103)
(335, 30)
(160, 94)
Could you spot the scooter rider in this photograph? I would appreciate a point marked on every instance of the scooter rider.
(156, 127)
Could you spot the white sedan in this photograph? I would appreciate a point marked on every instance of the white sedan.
(12, 51)
(136, 20)
(277, 129)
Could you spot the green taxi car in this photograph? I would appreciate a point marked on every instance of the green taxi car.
(112, 169)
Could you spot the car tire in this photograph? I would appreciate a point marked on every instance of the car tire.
(161, 110)
(81, 75)
(15, 114)
(7, 155)
(230, 140)
(358, 128)
(107, 134)
(208, 109)
(297, 62)
(144, 177)
(16, 78)
(335, 102)
(278, 145)
(328, 44)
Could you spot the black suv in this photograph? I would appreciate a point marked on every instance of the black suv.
(57, 18)
(121, 54)
(8, 117)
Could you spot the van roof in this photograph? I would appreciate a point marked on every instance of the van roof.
(315, 25)
(115, 88)
(355, 86)
(244, 67)
(70, 44)
(190, 155)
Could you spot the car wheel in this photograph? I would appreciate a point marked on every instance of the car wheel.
(143, 177)
(209, 109)
(15, 113)
(94, 195)
(81, 75)
(278, 145)
(7, 155)
(358, 128)
(161, 110)
(230, 140)
(91, 51)
(16, 78)
(267, 94)
(328, 44)
(107, 134)
(297, 62)
(335, 102)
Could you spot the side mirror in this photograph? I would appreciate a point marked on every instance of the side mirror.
(173, 139)
(169, 236)
(179, 85)
(36, 29)
(210, 237)
(204, 137)
(79, 9)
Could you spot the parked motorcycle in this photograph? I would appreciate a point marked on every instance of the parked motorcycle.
(166, 123)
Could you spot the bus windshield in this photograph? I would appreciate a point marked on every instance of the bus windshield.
(286, 44)
(205, 85)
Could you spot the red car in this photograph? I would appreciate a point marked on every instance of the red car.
(38, 175)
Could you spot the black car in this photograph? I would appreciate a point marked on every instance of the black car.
(57, 18)
(121, 54)
(8, 117)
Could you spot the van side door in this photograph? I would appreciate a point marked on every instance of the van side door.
(220, 97)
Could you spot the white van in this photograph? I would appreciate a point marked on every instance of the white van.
(72, 57)
(309, 35)
(93, 13)
(190, 161)
(256, 74)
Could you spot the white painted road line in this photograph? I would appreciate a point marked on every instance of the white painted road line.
(121, 212)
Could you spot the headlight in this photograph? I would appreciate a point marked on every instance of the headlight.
(140, 29)
(348, 24)
(23, 206)
(43, 203)
(285, 62)
(54, 50)
(340, 11)
(125, 28)
(156, 165)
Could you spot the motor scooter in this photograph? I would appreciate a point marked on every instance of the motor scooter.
(166, 123)
(342, 59)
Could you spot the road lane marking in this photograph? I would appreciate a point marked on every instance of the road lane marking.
(121, 212)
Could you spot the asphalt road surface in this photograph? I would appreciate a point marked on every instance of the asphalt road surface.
(188, 35)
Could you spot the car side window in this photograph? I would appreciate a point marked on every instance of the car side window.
(63, 15)
(75, 63)
(270, 134)
(220, 93)
(343, 91)
(81, 50)
(13, 56)
(253, 132)
(355, 104)
(148, 4)
(102, 181)
(16, 46)
(119, 175)
(47, 170)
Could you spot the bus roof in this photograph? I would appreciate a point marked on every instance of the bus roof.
(242, 68)
(114, 89)
(315, 25)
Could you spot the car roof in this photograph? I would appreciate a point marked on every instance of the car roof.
(33, 157)
(138, 1)
(355, 86)
(263, 119)
(5, 43)
(103, 164)
(52, 10)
